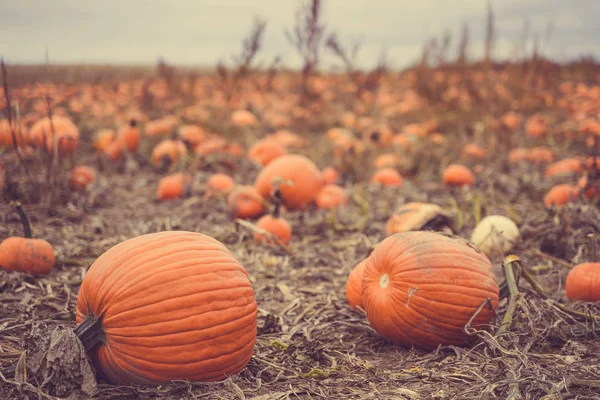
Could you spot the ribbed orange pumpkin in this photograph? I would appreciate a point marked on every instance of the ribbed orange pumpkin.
(421, 288)
(167, 306)
(354, 285)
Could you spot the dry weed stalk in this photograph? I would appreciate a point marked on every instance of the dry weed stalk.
(230, 81)
(9, 116)
(307, 38)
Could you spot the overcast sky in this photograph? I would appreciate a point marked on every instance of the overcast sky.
(199, 32)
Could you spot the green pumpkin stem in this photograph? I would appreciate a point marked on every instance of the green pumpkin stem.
(24, 220)
(90, 332)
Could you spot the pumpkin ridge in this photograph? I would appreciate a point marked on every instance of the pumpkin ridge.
(447, 320)
(168, 369)
(419, 271)
(431, 286)
(193, 264)
(413, 327)
(214, 375)
(139, 263)
(155, 334)
(105, 264)
(443, 291)
(180, 298)
(183, 353)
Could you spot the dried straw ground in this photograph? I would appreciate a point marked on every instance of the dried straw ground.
(310, 343)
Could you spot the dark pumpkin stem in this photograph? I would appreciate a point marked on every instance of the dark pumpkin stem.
(24, 220)
(277, 199)
(593, 253)
(133, 123)
(90, 332)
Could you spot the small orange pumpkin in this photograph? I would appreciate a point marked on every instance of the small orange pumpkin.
(276, 226)
(168, 152)
(568, 166)
(243, 118)
(103, 138)
(474, 152)
(329, 175)
(458, 175)
(266, 150)
(219, 183)
(35, 256)
(174, 186)
(331, 196)
(301, 172)
(130, 136)
(67, 134)
(245, 202)
(518, 155)
(387, 177)
(583, 282)
(560, 195)
(82, 176)
(191, 135)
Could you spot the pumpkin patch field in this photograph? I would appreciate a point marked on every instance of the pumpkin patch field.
(430, 233)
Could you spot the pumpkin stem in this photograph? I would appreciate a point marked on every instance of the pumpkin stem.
(593, 253)
(133, 123)
(277, 199)
(90, 332)
(24, 219)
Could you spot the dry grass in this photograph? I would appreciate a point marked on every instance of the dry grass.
(310, 343)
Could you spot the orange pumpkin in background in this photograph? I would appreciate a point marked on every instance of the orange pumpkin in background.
(245, 202)
(25, 254)
(266, 150)
(130, 136)
(103, 138)
(168, 152)
(191, 135)
(583, 282)
(243, 118)
(560, 195)
(388, 177)
(6, 134)
(44, 132)
(300, 180)
(330, 175)
(458, 175)
(331, 196)
(82, 176)
(219, 184)
(174, 186)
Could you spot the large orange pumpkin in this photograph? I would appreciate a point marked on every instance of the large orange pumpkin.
(305, 178)
(167, 306)
(421, 288)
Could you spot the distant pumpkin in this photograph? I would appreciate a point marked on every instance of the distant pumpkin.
(44, 132)
(458, 175)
